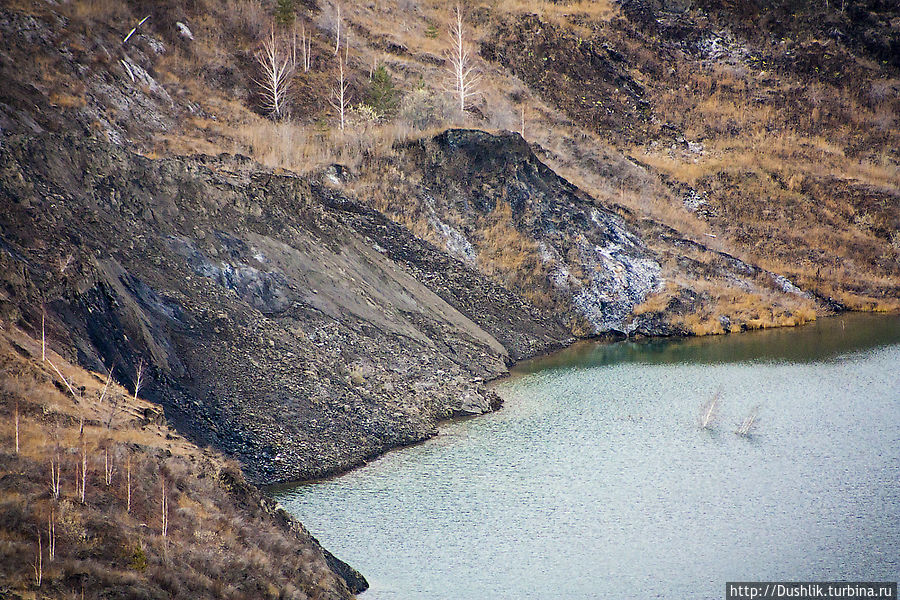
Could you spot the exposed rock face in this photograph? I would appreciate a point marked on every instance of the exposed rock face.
(590, 259)
(298, 331)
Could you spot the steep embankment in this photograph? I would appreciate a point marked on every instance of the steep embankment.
(294, 329)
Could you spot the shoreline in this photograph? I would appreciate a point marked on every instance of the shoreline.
(268, 488)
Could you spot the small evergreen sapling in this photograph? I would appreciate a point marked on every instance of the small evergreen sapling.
(382, 96)
(284, 12)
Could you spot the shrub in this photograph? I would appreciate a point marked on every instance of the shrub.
(423, 109)
(138, 559)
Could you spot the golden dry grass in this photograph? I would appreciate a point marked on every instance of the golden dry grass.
(26, 376)
(560, 12)
(728, 312)
(219, 542)
(506, 253)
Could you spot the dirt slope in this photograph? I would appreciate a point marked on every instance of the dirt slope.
(285, 324)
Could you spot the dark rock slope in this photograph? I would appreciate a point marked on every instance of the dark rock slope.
(277, 320)
(492, 204)
(586, 256)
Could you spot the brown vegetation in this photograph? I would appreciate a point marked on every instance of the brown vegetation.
(132, 510)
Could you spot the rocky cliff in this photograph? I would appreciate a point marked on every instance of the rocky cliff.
(583, 256)
(281, 322)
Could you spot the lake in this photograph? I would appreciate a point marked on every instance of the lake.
(596, 479)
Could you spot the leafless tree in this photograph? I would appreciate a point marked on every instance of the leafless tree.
(113, 402)
(337, 31)
(340, 96)
(277, 71)
(16, 419)
(43, 335)
(55, 475)
(138, 379)
(305, 48)
(108, 466)
(51, 537)
(39, 562)
(164, 529)
(463, 71)
(75, 394)
(80, 489)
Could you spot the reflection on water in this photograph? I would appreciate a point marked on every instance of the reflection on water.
(595, 480)
(818, 342)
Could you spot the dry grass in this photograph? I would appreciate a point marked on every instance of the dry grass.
(219, 543)
(101, 11)
(560, 12)
(744, 310)
(802, 175)
(506, 253)
(657, 302)
(728, 308)
(302, 148)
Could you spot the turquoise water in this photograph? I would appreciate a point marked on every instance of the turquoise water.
(596, 481)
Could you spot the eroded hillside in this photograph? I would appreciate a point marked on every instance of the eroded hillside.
(674, 170)
(307, 292)
(282, 322)
(288, 324)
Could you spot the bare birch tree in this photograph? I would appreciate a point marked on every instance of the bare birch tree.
(55, 475)
(461, 65)
(305, 48)
(39, 562)
(113, 402)
(109, 467)
(340, 96)
(72, 391)
(128, 484)
(51, 537)
(337, 31)
(164, 528)
(138, 379)
(83, 470)
(277, 71)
